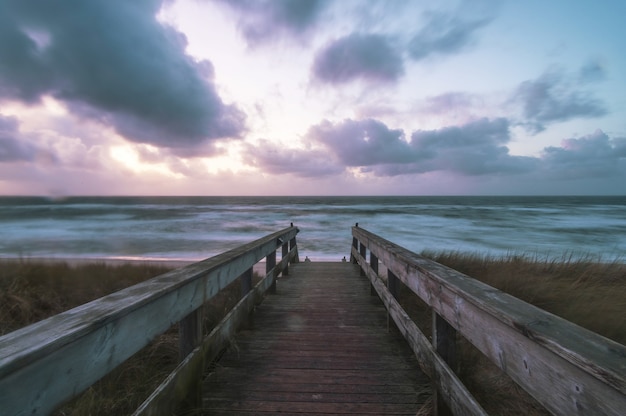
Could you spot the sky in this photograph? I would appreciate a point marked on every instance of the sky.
(312, 97)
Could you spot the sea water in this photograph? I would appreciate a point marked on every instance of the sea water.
(194, 228)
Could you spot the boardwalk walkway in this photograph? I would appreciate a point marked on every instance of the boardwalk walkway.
(321, 345)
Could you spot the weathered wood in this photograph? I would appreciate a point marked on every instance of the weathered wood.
(448, 385)
(319, 347)
(570, 370)
(46, 363)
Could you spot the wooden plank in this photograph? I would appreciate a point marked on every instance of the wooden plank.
(570, 370)
(46, 363)
(301, 357)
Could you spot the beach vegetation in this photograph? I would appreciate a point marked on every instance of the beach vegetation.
(586, 291)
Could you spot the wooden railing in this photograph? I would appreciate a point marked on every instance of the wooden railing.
(49, 362)
(568, 369)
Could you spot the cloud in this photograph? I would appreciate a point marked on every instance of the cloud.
(444, 34)
(552, 98)
(593, 155)
(113, 62)
(275, 159)
(475, 148)
(358, 56)
(12, 149)
(592, 71)
(267, 20)
(362, 143)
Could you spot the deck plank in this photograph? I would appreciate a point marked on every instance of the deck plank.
(319, 346)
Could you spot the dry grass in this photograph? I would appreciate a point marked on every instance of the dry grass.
(31, 291)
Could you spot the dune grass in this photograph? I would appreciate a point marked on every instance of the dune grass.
(587, 292)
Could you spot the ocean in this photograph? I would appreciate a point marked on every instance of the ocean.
(194, 228)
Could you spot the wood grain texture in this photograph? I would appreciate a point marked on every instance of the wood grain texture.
(319, 346)
(570, 370)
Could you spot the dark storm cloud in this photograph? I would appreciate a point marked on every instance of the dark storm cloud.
(113, 61)
(444, 34)
(358, 56)
(552, 98)
(263, 21)
(279, 160)
(593, 155)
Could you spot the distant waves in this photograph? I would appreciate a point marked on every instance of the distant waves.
(193, 228)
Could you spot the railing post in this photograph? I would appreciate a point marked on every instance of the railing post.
(246, 282)
(270, 263)
(444, 342)
(246, 286)
(285, 254)
(355, 244)
(363, 253)
(374, 266)
(292, 245)
(392, 284)
(189, 337)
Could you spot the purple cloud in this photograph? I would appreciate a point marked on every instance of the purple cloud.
(114, 62)
(358, 56)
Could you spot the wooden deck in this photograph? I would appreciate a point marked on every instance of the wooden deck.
(321, 345)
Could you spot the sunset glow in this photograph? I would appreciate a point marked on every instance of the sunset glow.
(315, 96)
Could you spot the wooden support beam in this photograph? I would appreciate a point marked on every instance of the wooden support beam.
(374, 266)
(189, 337)
(270, 263)
(363, 253)
(285, 253)
(444, 342)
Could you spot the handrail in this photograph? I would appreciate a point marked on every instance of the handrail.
(570, 370)
(51, 361)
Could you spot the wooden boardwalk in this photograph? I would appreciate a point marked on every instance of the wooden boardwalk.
(321, 345)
